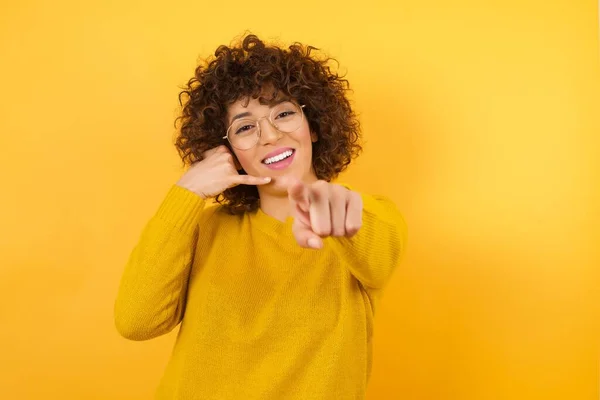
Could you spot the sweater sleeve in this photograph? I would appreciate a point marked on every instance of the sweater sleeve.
(151, 297)
(375, 251)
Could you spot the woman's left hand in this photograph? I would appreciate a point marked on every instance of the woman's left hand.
(323, 209)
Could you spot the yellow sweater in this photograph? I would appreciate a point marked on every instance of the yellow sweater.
(261, 317)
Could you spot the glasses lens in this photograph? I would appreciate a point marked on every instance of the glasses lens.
(287, 117)
(243, 134)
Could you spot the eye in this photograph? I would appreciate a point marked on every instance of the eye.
(243, 129)
(284, 114)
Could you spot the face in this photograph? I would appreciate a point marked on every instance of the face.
(276, 154)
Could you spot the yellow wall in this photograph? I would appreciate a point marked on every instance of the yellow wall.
(481, 120)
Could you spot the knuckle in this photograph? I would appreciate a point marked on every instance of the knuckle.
(338, 232)
(353, 227)
(339, 188)
(338, 196)
(321, 184)
(357, 197)
(320, 189)
(213, 151)
(323, 231)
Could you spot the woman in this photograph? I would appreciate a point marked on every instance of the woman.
(275, 286)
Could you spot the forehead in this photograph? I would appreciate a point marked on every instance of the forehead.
(267, 98)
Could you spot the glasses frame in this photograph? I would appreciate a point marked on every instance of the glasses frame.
(268, 118)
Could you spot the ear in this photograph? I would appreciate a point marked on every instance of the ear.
(313, 137)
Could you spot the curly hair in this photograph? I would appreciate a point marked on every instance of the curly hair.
(243, 71)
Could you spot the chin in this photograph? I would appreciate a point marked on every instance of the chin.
(280, 183)
(276, 188)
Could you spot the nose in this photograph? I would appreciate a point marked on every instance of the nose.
(268, 133)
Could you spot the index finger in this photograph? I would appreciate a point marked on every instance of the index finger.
(298, 194)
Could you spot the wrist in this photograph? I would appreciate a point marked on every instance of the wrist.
(197, 192)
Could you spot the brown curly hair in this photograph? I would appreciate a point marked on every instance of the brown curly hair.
(243, 71)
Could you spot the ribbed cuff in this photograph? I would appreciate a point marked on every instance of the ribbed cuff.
(181, 208)
(382, 209)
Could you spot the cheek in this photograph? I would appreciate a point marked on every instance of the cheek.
(303, 136)
(245, 159)
(307, 143)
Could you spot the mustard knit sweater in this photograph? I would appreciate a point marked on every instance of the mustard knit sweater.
(261, 317)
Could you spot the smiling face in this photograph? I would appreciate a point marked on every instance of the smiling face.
(276, 154)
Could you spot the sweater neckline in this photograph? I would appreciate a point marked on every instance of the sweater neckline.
(271, 224)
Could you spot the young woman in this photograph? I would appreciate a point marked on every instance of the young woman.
(275, 286)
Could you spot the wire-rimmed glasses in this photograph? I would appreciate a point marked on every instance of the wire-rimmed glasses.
(244, 133)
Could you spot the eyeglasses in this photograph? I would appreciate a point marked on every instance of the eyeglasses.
(286, 117)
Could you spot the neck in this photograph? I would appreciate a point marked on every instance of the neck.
(276, 206)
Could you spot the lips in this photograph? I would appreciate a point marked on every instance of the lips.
(278, 155)
(280, 160)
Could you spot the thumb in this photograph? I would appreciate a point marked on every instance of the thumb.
(305, 236)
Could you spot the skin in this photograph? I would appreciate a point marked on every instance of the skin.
(319, 208)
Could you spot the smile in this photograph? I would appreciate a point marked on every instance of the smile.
(280, 161)
(278, 157)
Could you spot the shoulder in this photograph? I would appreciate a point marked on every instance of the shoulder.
(217, 214)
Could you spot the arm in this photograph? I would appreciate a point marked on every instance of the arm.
(151, 297)
(367, 232)
(373, 253)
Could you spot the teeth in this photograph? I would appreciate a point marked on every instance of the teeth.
(278, 157)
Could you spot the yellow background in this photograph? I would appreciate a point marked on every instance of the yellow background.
(480, 120)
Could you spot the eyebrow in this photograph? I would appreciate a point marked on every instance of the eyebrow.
(248, 113)
(241, 115)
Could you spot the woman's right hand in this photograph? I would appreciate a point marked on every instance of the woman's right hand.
(215, 173)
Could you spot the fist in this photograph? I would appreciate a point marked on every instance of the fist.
(323, 209)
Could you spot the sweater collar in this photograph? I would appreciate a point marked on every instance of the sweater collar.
(271, 225)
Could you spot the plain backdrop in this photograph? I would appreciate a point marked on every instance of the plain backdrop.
(480, 119)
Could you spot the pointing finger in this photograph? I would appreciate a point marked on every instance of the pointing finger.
(298, 194)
